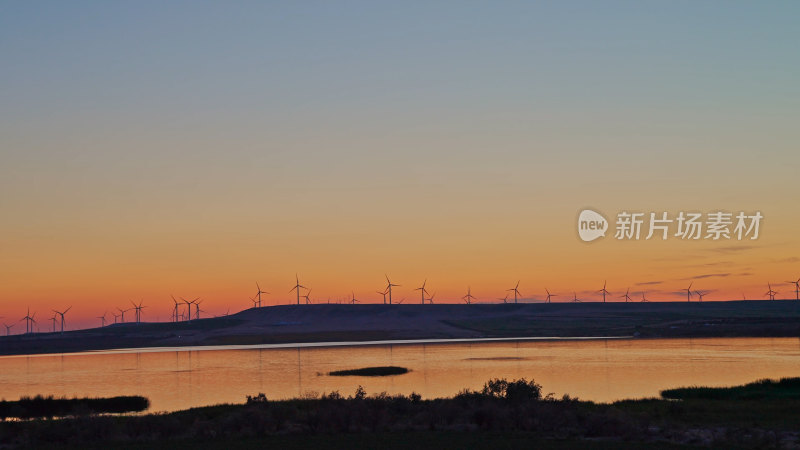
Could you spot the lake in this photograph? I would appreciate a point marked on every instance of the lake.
(600, 370)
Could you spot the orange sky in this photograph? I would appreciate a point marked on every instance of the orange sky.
(148, 152)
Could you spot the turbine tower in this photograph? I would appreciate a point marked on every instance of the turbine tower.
(549, 295)
(258, 294)
(575, 297)
(384, 296)
(604, 291)
(8, 328)
(644, 299)
(174, 310)
(389, 286)
(771, 292)
(469, 297)
(353, 299)
(308, 300)
(627, 296)
(430, 299)
(422, 290)
(297, 287)
(29, 321)
(189, 307)
(197, 309)
(102, 319)
(62, 318)
(796, 288)
(138, 310)
(122, 314)
(689, 292)
(516, 291)
(700, 294)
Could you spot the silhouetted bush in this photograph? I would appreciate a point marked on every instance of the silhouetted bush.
(256, 399)
(515, 391)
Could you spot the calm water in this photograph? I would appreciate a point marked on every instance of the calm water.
(602, 370)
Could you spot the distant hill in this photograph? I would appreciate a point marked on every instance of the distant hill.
(360, 323)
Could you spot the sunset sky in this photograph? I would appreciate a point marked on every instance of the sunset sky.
(196, 148)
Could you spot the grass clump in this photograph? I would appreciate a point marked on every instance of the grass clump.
(761, 389)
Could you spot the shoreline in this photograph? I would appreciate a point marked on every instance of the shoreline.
(116, 351)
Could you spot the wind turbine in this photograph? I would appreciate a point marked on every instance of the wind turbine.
(174, 310)
(700, 294)
(504, 299)
(627, 297)
(189, 307)
(644, 299)
(689, 292)
(384, 296)
(353, 299)
(297, 287)
(197, 309)
(54, 322)
(430, 299)
(549, 295)
(258, 294)
(604, 291)
(103, 319)
(8, 328)
(422, 290)
(796, 288)
(138, 310)
(469, 297)
(62, 318)
(575, 297)
(308, 300)
(516, 291)
(389, 286)
(122, 314)
(771, 292)
(29, 321)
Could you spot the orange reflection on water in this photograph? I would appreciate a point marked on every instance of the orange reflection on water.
(603, 370)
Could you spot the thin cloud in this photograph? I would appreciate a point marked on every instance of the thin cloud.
(733, 248)
(711, 264)
(708, 275)
(648, 283)
(792, 259)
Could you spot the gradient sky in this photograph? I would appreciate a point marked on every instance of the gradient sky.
(193, 148)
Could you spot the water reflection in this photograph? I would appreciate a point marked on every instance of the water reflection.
(603, 370)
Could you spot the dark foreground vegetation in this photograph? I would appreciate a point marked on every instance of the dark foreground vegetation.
(382, 371)
(504, 414)
(49, 407)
